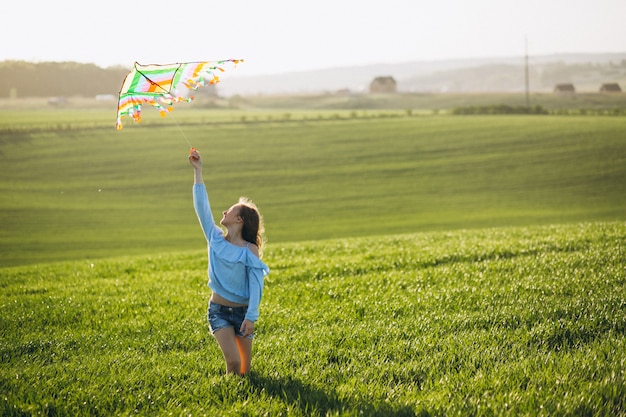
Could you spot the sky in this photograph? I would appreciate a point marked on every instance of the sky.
(277, 36)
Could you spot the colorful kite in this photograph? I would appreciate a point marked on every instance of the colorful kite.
(160, 85)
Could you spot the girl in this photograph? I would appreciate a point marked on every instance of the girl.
(236, 272)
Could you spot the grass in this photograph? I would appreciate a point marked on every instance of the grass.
(88, 193)
(422, 264)
(497, 321)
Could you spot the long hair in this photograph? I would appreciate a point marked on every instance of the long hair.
(253, 230)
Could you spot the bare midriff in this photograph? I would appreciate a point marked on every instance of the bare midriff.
(222, 301)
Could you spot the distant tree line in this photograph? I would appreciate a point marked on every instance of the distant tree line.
(506, 109)
(58, 79)
(499, 109)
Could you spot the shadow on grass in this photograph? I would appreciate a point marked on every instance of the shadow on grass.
(314, 401)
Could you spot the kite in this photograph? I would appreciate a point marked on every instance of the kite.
(161, 85)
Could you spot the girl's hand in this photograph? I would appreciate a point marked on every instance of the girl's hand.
(247, 328)
(195, 159)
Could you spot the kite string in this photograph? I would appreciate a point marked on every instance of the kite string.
(182, 132)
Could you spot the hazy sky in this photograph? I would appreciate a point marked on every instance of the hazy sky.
(276, 36)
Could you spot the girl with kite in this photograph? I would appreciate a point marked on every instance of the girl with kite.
(236, 272)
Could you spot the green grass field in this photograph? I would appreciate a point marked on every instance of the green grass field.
(504, 321)
(422, 264)
(79, 192)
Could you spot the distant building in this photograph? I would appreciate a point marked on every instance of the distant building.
(383, 85)
(610, 88)
(206, 91)
(564, 88)
(57, 101)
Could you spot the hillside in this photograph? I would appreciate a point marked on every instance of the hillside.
(588, 71)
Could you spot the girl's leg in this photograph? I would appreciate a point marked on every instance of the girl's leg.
(230, 349)
(244, 346)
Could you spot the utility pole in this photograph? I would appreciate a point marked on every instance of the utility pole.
(527, 82)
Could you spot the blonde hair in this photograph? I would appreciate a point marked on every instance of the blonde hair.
(253, 230)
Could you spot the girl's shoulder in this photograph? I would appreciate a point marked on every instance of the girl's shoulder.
(253, 248)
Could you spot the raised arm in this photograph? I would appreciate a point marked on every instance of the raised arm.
(200, 197)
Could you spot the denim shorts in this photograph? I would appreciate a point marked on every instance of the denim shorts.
(221, 316)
